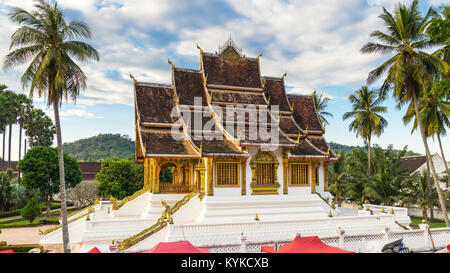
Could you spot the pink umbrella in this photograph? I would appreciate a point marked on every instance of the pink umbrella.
(176, 247)
(305, 245)
(94, 250)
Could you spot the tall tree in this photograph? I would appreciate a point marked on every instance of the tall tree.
(366, 118)
(24, 106)
(410, 67)
(39, 128)
(3, 120)
(46, 39)
(321, 103)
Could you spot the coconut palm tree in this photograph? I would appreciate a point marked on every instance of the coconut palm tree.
(3, 120)
(321, 103)
(24, 106)
(45, 39)
(366, 118)
(409, 67)
(417, 191)
(435, 112)
(337, 175)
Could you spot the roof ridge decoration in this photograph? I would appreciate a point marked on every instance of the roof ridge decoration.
(230, 51)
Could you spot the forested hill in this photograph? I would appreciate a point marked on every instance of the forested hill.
(347, 149)
(101, 147)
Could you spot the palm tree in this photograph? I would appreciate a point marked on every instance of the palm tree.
(417, 191)
(337, 175)
(384, 188)
(410, 67)
(366, 120)
(321, 103)
(39, 128)
(45, 38)
(434, 111)
(24, 106)
(3, 120)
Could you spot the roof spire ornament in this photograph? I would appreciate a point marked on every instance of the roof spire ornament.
(306, 131)
(259, 55)
(284, 75)
(205, 80)
(298, 139)
(329, 148)
(199, 48)
(264, 84)
(268, 101)
(134, 80)
(292, 106)
(171, 64)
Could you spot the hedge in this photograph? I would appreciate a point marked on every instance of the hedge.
(16, 212)
(22, 248)
(10, 222)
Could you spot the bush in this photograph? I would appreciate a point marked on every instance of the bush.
(21, 248)
(83, 194)
(31, 210)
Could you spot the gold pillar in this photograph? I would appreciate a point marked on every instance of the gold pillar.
(313, 176)
(154, 176)
(209, 169)
(146, 177)
(243, 176)
(325, 176)
(285, 175)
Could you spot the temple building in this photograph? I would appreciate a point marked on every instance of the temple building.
(227, 130)
(226, 152)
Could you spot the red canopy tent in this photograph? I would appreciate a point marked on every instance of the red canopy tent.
(305, 245)
(94, 250)
(176, 247)
(7, 251)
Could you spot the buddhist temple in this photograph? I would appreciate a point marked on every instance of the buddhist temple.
(226, 129)
(227, 154)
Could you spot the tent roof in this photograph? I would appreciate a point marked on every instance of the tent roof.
(7, 251)
(306, 245)
(176, 247)
(94, 250)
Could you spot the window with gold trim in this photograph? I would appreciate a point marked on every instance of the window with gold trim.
(227, 174)
(265, 173)
(298, 174)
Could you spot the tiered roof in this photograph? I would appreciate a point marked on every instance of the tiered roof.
(165, 125)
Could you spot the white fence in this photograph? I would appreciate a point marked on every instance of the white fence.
(416, 240)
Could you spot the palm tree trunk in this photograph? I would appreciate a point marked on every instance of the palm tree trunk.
(3, 150)
(9, 146)
(369, 171)
(20, 148)
(433, 170)
(429, 187)
(62, 183)
(443, 158)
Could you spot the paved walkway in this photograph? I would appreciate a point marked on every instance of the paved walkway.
(25, 235)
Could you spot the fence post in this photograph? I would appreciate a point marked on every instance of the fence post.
(340, 232)
(386, 232)
(243, 242)
(426, 238)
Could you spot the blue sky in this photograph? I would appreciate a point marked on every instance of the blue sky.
(316, 42)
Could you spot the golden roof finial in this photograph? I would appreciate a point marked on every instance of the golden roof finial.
(284, 75)
(306, 131)
(292, 106)
(201, 50)
(206, 78)
(268, 101)
(264, 84)
(259, 55)
(178, 100)
(134, 80)
(171, 64)
(329, 148)
(298, 139)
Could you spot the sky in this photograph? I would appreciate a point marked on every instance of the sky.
(316, 42)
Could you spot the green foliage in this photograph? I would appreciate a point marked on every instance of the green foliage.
(439, 28)
(41, 172)
(167, 176)
(101, 147)
(6, 200)
(31, 210)
(39, 128)
(22, 248)
(120, 178)
(320, 104)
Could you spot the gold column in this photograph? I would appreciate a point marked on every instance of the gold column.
(243, 176)
(154, 177)
(209, 169)
(146, 180)
(325, 176)
(312, 169)
(285, 175)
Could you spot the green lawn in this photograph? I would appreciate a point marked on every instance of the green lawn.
(435, 224)
(20, 222)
